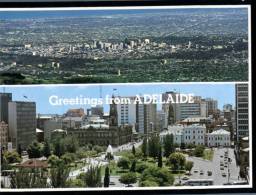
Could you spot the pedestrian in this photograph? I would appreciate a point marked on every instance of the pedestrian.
(238, 177)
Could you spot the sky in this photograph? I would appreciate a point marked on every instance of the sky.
(224, 93)
(80, 13)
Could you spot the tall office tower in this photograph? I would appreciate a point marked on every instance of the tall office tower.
(141, 116)
(140, 125)
(169, 109)
(3, 135)
(22, 123)
(180, 111)
(227, 108)
(211, 106)
(127, 112)
(97, 110)
(149, 118)
(161, 122)
(242, 112)
(4, 99)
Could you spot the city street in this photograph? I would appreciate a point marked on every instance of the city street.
(220, 177)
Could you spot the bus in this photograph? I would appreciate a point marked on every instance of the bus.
(199, 182)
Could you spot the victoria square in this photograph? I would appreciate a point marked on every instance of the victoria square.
(204, 142)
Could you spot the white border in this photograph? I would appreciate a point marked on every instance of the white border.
(250, 185)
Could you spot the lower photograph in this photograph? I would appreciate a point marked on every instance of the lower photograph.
(125, 136)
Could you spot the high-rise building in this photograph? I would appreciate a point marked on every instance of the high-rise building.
(161, 120)
(149, 118)
(22, 123)
(227, 108)
(3, 135)
(97, 110)
(139, 115)
(127, 112)
(242, 113)
(180, 111)
(4, 99)
(211, 106)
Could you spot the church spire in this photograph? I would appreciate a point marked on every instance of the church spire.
(113, 113)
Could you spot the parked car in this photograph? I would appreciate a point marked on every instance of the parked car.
(185, 178)
(201, 172)
(111, 183)
(209, 173)
(224, 174)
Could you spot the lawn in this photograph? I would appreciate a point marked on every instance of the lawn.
(208, 154)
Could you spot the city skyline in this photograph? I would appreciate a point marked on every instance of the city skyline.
(40, 94)
(121, 45)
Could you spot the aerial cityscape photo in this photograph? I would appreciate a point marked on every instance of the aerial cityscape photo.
(124, 136)
(123, 45)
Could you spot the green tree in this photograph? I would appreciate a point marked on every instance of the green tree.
(189, 165)
(93, 176)
(70, 144)
(161, 176)
(106, 177)
(19, 150)
(144, 147)
(29, 178)
(177, 161)
(123, 163)
(160, 160)
(149, 183)
(47, 149)
(68, 158)
(99, 149)
(199, 151)
(141, 166)
(182, 146)
(35, 150)
(11, 157)
(128, 178)
(52, 160)
(168, 145)
(59, 147)
(133, 166)
(4, 163)
(133, 150)
(59, 173)
(75, 183)
(153, 146)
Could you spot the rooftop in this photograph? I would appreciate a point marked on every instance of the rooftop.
(96, 126)
(220, 131)
(33, 163)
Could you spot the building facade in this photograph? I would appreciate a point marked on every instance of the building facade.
(3, 135)
(22, 123)
(242, 112)
(217, 138)
(139, 115)
(194, 134)
(177, 112)
(4, 99)
(103, 135)
(127, 112)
